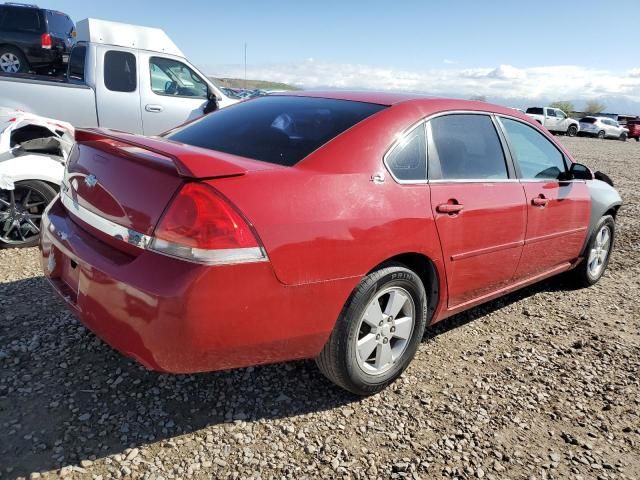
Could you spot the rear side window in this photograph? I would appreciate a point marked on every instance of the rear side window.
(76, 62)
(535, 111)
(468, 147)
(275, 129)
(408, 159)
(22, 19)
(59, 23)
(535, 155)
(588, 120)
(120, 71)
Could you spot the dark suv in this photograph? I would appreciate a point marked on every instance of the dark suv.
(33, 39)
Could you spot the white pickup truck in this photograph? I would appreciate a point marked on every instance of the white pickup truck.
(121, 76)
(555, 120)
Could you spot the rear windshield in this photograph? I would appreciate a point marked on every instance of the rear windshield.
(588, 120)
(59, 23)
(535, 111)
(275, 129)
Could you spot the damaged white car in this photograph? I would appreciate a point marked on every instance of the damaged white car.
(33, 151)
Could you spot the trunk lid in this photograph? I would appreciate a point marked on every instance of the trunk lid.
(128, 180)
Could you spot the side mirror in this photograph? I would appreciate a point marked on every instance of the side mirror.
(212, 103)
(579, 172)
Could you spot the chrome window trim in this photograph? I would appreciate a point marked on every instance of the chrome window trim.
(225, 256)
(475, 180)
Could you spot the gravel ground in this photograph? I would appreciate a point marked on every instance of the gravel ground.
(540, 384)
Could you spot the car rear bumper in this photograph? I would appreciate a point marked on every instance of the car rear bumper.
(181, 317)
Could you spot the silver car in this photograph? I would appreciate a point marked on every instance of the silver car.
(603, 127)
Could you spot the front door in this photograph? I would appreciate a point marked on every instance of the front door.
(558, 211)
(172, 93)
(478, 205)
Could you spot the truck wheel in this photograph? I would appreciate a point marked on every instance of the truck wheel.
(623, 137)
(601, 134)
(12, 61)
(21, 211)
(637, 139)
(572, 131)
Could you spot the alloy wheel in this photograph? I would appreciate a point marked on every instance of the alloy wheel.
(385, 330)
(599, 251)
(20, 214)
(9, 63)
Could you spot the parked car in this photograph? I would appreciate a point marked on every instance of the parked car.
(602, 127)
(634, 129)
(306, 226)
(121, 76)
(555, 120)
(33, 151)
(34, 39)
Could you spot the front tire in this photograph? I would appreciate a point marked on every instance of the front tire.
(623, 137)
(21, 211)
(597, 253)
(572, 131)
(377, 333)
(12, 60)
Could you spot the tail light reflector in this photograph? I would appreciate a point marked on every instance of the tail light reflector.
(202, 226)
(45, 41)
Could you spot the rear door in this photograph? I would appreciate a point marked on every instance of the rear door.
(557, 211)
(478, 205)
(117, 89)
(171, 93)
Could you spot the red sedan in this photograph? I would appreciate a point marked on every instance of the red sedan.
(331, 225)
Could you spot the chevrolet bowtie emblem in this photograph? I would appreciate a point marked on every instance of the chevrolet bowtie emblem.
(90, 180)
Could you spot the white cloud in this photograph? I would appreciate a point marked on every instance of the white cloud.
(448, 61)
(504, 81)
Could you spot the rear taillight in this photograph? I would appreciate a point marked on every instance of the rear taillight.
(45, 41)
(201, 226)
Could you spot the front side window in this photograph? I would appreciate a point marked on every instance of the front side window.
(560, 114)
(535, 155)
(170, 77)
(408, 159)
(120, 71)
(276, 129)
(21, 19)
(468, 147)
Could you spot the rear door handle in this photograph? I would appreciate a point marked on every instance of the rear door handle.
(153, 108)
(540, 201)
(449, 208)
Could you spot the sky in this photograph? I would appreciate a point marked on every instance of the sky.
(517, 52)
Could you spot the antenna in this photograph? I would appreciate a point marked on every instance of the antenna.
(245, 65)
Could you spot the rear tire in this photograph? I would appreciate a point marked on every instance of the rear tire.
(377, 333)
(597, 254)
(623, 137)
(12, 60)
(601, 134)
(572, 131)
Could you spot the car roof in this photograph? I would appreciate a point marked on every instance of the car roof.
(390, 99)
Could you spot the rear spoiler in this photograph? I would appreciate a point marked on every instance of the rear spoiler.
(188, 161)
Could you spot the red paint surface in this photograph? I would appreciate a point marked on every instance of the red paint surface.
(324, 225)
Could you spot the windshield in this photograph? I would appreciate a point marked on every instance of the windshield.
(276, 129)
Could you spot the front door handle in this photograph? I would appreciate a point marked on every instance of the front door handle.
(449, 208)
(540, 201)
(153, 108)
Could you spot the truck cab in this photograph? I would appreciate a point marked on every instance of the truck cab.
(143, 82)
